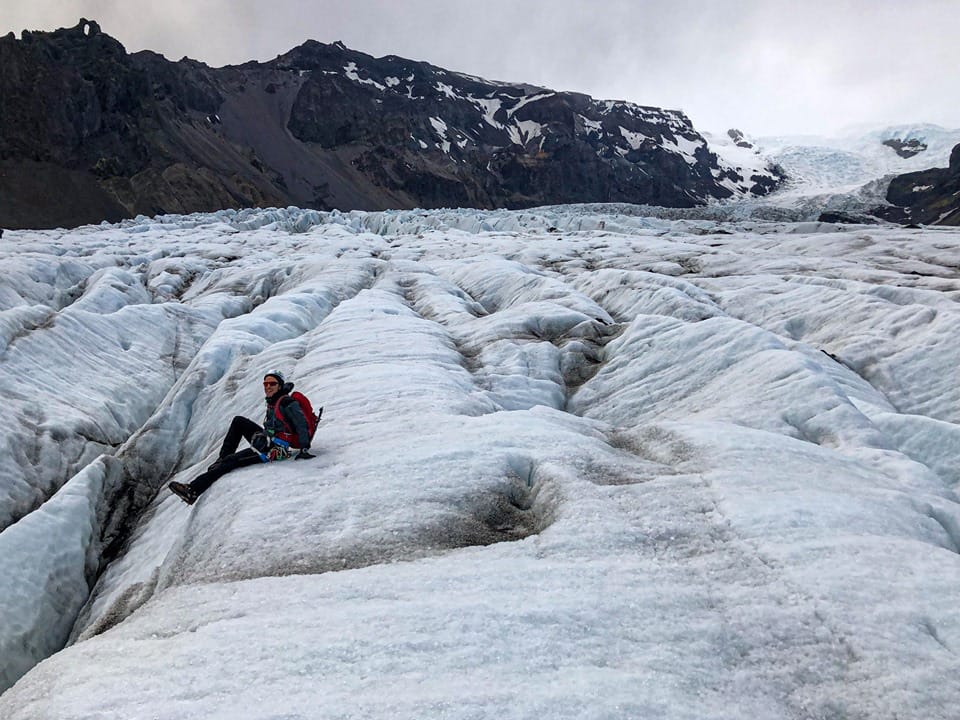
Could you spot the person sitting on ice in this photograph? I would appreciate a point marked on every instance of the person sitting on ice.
(285, 428)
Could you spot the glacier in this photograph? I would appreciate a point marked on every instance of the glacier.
(575, 462)
(847, 173)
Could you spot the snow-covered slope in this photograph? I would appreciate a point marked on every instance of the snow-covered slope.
(575, 463)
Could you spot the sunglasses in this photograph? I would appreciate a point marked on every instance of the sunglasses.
(270, 383)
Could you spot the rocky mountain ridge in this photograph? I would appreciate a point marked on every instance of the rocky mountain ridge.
(89, 132)
(927, 197)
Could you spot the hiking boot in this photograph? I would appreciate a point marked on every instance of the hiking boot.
(184, 492)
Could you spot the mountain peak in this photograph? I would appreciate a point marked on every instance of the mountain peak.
(324, 126)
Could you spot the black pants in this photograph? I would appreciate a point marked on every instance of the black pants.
(241, 428)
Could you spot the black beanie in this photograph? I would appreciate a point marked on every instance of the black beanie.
(278, 375)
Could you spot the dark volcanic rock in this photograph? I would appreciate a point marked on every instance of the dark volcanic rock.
(738, 138)
(89, 132)
(906, 148)
(928, 197)
(846, 218)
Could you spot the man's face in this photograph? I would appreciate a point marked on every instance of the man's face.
(270, 386)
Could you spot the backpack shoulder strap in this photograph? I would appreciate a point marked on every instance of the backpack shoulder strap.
(278, 409)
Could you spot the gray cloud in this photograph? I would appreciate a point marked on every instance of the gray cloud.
(766, 66)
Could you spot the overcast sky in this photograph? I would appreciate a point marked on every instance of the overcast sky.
(764, 66)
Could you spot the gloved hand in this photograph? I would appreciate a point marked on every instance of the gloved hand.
(260, 442)
(304, 455)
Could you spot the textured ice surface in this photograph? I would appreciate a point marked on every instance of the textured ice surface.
(575, 463)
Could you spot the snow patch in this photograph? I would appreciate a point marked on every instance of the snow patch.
(489, 107)
(685, 147)
(350, 70)
(634, 139)
(447, 90)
